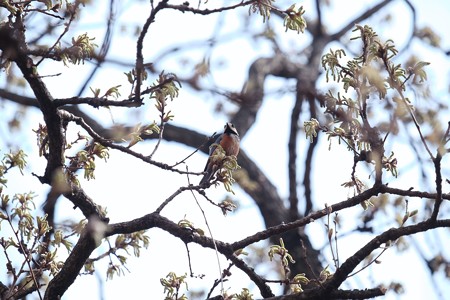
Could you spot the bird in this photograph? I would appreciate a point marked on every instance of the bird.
(229, 141)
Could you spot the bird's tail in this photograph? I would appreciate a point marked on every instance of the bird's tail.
(206, 178)
(210, 170)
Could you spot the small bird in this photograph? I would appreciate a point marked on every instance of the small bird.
(229, 141)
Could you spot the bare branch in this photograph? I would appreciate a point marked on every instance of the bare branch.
(390, 235)
(366, 14)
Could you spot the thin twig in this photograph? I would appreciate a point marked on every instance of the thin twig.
(104, 48)
(416, 123)
(329, 240)
(336, 240)
(370, 263)
(161, 129)
(189, 259)
(25, 253)
(140, 45)
(438, 173)
(222, 291)
(101, 140)
(195, 151)
(225, 273)
(185, 8)
(66, 29)
(305, 257)
(168, 200)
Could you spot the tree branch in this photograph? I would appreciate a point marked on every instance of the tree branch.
(388, 236)
(292, 163)
(140, 45)
(72, 266)
(366, 14)
(336, 294)
(104, 49)
(309, 158)
(14, 46)
(19, 99)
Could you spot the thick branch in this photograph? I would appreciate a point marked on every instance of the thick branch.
(258, 280)
(388, 236)
(72, 266)
(156, 220)
(252, 94)
(337, 294)
(14, 47)
(280, 228)
(292, 164)
(82, 201)
(19, 99)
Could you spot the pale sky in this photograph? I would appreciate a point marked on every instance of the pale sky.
(129, 188)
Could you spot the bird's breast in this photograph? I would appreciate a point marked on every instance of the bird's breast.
(230, 143)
